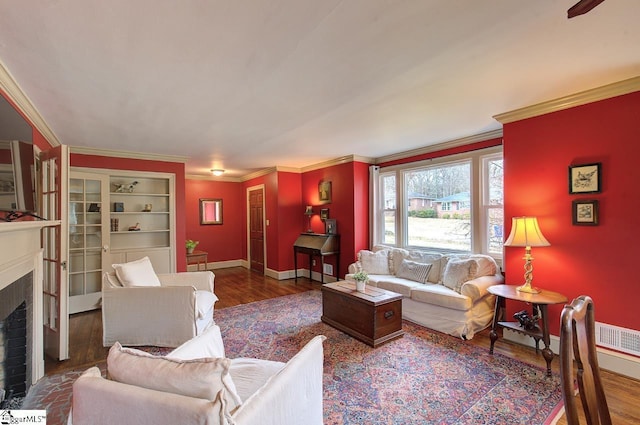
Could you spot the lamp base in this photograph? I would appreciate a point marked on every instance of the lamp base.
(527, 288)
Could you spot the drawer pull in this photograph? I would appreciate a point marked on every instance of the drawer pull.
(388, 314)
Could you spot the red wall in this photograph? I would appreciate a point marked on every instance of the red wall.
(177, 168)
(289, 219)
(600, 261)
(286, 195)
(360, 210)
(278, 234)
(349, 207)
(223, 241)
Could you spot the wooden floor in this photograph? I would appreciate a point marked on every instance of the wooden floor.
(237, 285)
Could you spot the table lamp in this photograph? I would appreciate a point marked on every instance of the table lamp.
(309, 212)
(526, 232)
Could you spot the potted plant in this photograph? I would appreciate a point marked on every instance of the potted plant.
(191, 245)
(361, 279)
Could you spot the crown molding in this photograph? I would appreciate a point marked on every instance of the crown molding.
(337, 161)
(83, 150)
(582, 98)
(285, 169)
(481, 137)
(258, 173)
(9, 85)
(213, 178)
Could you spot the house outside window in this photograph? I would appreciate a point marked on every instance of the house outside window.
(448, 204)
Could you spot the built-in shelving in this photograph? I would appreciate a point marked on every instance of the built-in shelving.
(145, 200)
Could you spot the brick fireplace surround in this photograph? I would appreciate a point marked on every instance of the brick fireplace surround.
(20, 257)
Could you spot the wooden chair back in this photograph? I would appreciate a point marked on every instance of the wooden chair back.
(577, 339)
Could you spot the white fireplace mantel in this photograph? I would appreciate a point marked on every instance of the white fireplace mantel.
(21, 253)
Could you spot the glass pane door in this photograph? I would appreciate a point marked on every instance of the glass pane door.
(88, 239)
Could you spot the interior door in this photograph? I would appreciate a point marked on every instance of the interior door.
(256, 230)
(88, 239)
(53, 184)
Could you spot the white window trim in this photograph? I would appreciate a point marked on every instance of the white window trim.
(478, 212)
(485, 202)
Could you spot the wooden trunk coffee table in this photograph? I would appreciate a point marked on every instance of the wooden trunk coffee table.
(373, 317)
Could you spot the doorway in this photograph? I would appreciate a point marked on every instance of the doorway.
(256, 245)
(88, 239)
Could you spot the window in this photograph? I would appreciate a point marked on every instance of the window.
(446, 227)
(492, 205)
(450, 204)
(389, 216)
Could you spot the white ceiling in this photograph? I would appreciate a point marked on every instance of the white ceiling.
(249, 84)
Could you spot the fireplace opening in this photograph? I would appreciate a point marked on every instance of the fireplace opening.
(15, 357)
(14, 342)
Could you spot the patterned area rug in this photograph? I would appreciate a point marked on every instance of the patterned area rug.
(424, 377)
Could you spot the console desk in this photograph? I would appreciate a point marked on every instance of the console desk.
(320, 245)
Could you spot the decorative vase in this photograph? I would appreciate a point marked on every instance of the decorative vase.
(361, 285)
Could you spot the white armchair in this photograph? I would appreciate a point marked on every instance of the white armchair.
(196, 384)
(167, 315)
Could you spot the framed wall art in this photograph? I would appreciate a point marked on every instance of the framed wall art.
(585, 178)
(331, 227)
(324, 213)
(585, 212)
(324, 192)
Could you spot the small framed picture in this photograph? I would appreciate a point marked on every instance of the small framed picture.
(585, 178)
(585, 212)
(331, 228)
(324, 213)
(324, 192)
(118, 207)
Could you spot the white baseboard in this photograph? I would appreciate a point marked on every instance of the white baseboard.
(290, 274)
(218, 265)
(283, 275)
(613, 361)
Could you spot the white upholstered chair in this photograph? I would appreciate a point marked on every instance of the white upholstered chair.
(165, 312)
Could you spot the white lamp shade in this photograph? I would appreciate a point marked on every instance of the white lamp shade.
(525, 232)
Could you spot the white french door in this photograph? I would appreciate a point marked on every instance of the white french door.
(88, 239)
(53, 184)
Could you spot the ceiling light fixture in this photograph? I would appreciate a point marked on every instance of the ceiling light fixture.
(217, 172)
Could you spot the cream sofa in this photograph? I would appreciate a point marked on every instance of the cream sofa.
(196, 384)
(447, 293)
(164, 310)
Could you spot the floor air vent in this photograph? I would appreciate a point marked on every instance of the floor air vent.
(619, 339)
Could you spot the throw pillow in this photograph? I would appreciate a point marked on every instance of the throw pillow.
(458, 272)
(137, 273)
(207, 344)
(396, 255)
(418, 272)
(204, 302)
(373, 262)
(435, 258)
(200, 378)
(486, 265)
